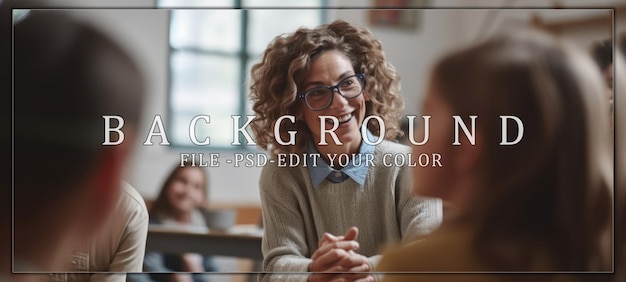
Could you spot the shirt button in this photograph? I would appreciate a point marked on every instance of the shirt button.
(338, 174)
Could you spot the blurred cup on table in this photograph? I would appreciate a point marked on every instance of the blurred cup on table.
(219, 219)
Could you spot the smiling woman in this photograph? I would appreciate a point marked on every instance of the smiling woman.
(329, 68)
(332, 78)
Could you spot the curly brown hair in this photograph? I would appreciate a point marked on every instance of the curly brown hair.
(277, 79)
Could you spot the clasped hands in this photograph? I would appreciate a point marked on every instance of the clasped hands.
(336, 259)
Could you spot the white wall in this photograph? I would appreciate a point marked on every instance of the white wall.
(145, 34)
(446, 26)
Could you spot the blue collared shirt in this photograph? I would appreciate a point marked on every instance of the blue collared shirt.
(356, 169)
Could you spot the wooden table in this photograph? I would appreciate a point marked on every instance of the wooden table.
(235, 243)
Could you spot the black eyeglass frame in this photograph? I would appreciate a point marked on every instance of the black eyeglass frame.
(361, 78)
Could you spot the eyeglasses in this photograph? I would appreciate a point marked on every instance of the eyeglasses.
(319, 98)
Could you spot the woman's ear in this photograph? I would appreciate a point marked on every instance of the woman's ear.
(366, 96)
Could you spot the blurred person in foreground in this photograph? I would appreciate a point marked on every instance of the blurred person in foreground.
(68, 191)
(543, 204)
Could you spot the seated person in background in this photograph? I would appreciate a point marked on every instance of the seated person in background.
(178, 205)
(542, 204)
(326, 216)
(120, 249)
(67, 75)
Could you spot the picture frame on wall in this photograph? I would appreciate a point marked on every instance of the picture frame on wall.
(400, 14)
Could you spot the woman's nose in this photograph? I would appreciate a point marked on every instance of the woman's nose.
(338, 100)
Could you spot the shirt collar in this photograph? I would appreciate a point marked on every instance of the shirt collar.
(356, 169)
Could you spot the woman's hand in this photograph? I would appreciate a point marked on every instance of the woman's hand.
(192, 262)
(180, 277)
(350, 235)
(337, 254)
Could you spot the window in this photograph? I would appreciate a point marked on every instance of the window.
(211, 53)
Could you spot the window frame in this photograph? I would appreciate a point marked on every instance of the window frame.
(243, 56)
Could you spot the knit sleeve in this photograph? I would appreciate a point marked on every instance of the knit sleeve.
(417, 215)
(284, 244)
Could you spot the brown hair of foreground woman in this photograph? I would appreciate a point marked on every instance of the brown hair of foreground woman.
(543, 204)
